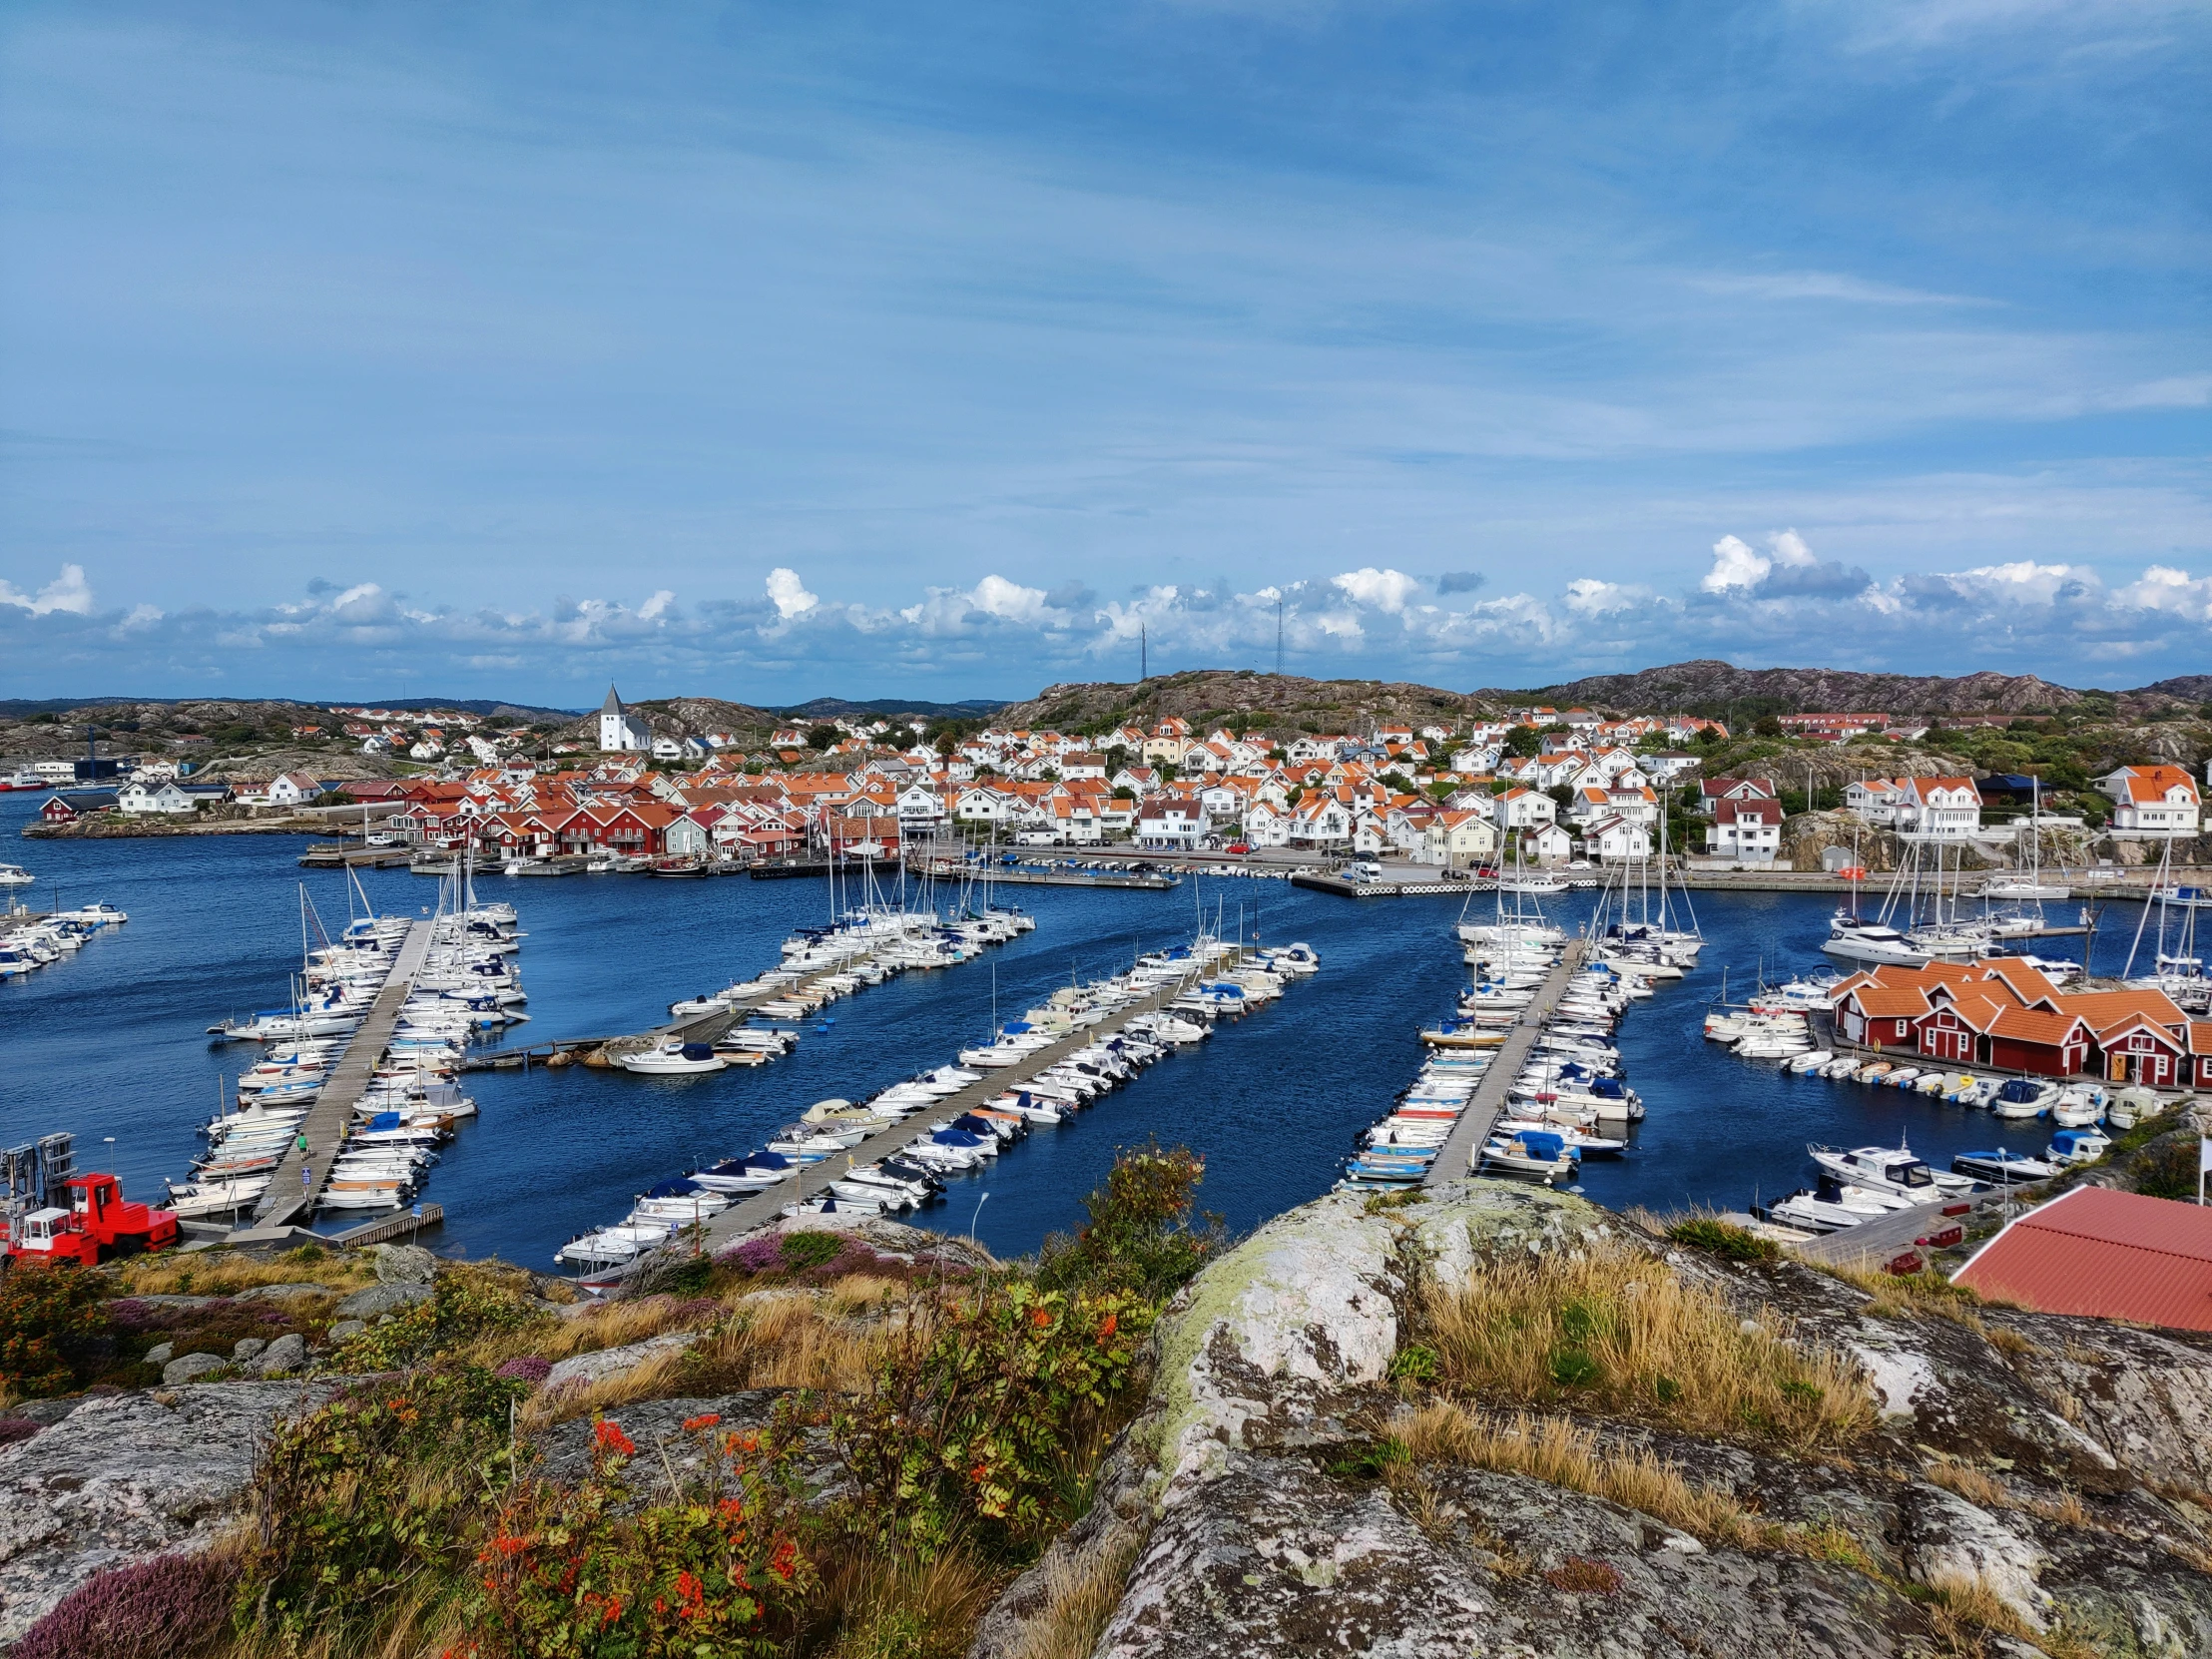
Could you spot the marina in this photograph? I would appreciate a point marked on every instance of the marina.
(1274, 1107)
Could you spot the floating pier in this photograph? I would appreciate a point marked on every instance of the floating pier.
(287, 1196)
(761, 1209)
(1454, 1161)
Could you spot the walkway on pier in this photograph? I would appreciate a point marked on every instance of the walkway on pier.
(289, 1200)
(761, 1209)
(1456, 1161)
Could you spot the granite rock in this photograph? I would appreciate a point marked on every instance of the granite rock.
(124, 1477)
(382, 1299)
(583, 1370)
(189, 1366)
(247, 1347)
(288, 1353)
(405, 1265)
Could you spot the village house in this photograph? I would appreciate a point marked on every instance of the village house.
(1172, 824)
(1748, 831)
(2153, 801)
(1939, 808)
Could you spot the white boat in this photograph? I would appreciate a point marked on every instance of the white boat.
(1810, 1062)
(674, 1059)
(1541, 1153)
(2024, 1097)
(1851, 941)
(1888, 1170)
(15, 875)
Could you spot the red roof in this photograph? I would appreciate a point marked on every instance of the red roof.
(2106, 1254)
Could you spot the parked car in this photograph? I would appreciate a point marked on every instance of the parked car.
(1239, 847)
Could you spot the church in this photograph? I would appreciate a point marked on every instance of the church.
(619, 728)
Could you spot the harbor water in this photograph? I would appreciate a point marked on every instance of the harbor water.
(111, 1043)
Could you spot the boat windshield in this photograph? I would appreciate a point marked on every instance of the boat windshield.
(1914, 1174)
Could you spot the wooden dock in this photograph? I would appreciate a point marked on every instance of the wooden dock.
(1456, 1160)
(1051, 878)
(759, 1209)
(401, 1224)
(347, 855)
(289, 1197)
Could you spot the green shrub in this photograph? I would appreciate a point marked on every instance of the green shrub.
(1140, 1240)
(2168, 1170)
(459, 1309)
(1722, 1239)
(373, 1492)
(53, 1329)
(964, 1427)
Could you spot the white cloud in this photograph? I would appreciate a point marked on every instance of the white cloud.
(1824, 284)
(1009, 601)
(68, 593)
(789, 594)
(2163, 588)
(1384, 590)
(657, 605)
(1735, 565)
(1586, 596)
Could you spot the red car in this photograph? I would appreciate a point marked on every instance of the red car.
(1238, 846)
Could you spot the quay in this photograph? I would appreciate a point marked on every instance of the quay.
(347, 855)
(763, 1208)
(1050, 877)
(1455, 1160)
(1381, 889)
(289, 1196)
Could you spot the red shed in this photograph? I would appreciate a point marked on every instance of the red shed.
(2105, 1254)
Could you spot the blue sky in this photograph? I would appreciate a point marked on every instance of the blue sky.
(774, 351)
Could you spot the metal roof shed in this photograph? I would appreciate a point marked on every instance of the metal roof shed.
(2105, 1254)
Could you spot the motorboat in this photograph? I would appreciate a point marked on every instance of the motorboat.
(1541, 1153)
(2078, 1146)
(1889, 1170)
(1810, 1062)
(15, 875)
(2078, 1107)
(1851, 941)
(2001, 1167)
(674, 1059)
(2024, 1097)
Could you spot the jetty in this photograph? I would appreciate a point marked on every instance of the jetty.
(289, 1195)
(1455, 1160)
(999, 876)
(353, 855)
(761, 1209)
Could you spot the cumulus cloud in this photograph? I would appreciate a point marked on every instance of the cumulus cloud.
(788, 594)
(1384, 590)
(1777, 601)
(68, 593)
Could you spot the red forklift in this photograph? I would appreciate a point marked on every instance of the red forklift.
(97, 1225)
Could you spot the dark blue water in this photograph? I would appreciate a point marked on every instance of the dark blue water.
(110, 1042)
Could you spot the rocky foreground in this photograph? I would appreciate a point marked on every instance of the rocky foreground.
(2011, 1484)
(1244, 1513)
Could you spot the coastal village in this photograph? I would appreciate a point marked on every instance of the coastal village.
(1540, 783)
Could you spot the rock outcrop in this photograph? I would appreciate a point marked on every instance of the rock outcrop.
(1237, 1516)
(124, 1477)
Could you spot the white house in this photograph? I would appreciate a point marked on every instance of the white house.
(1876, 800)
(151, 796)
(289, 788)
(1748, 831)
(1616, 838)
(1266, 824)
(1320, 820)
(1171, 823)
(1939, 808)
(618, 728)
(2152, 801)
(1523, 808)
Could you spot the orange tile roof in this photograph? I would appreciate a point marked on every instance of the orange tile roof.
(2033, 1025)
(2106, 1009)
(1883, 1002)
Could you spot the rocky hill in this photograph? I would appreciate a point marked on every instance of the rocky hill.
(1719, 689)
(1278, 703)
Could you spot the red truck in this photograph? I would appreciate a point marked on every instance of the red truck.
(99, 1226)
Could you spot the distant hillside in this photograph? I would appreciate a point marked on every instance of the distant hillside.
(1720, 689)
(834, 707)
(1276, 702)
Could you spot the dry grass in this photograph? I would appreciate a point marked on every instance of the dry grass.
(2011, 1342)
(1971, 1484)
(226, 1272)
(1560, 1454)
(1615, 1327)
(1078, 1600)
(781, 1345)
(1899, 1296)
(903, 1607)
